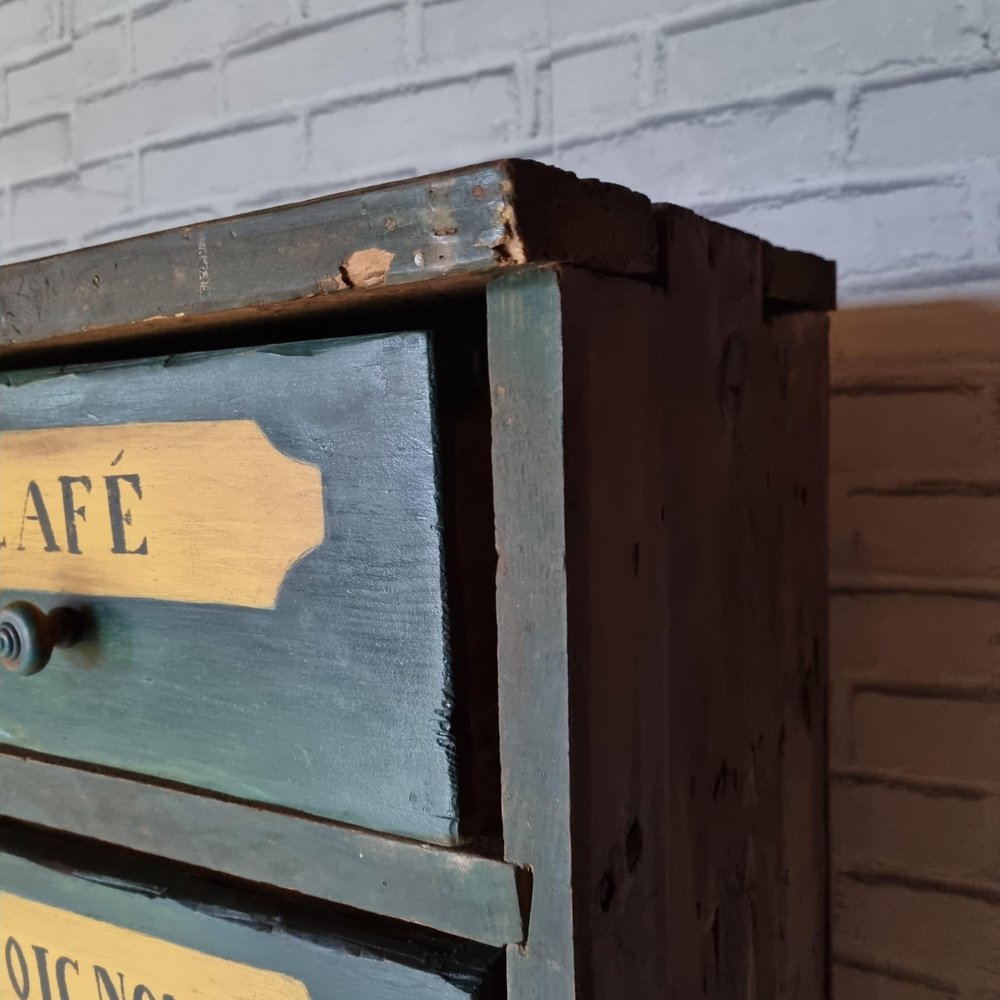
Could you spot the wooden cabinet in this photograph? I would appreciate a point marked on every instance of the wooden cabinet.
(419, 591)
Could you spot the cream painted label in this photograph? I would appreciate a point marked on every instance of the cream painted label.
(199, 511)
(51, 954)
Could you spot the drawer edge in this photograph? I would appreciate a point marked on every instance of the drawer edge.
(453, 892)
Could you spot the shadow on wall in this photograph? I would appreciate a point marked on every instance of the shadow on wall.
(915, 651)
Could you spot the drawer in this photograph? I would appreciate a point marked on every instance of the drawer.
(259, 544)
(70, 933)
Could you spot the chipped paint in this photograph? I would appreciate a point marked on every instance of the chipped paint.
(331, 283)
(366, 268)
(202, 265)
(504, 239)
(510, 249)
(469, 221)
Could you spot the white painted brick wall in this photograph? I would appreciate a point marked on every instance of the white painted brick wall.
(864, 129)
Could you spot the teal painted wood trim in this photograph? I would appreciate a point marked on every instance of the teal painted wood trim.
(330, 965)
(526, 359)
(449, 891)
(479, 219)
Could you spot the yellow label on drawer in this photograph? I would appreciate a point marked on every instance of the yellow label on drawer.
(201, 511)
(51, 954)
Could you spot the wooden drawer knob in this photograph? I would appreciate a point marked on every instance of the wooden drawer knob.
(28, 635)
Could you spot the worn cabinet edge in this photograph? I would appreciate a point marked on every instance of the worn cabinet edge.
(445, 229)
(478, 219)
(132, 931)
(465, 895)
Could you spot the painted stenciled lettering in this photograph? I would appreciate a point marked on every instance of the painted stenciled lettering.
(53, 954)
(36, 515)
(34, 972)
(185, 511)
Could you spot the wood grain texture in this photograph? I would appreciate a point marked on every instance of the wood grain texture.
(452, 892)
(339, 701)
(616, 448)
(695, 468)
(526, 361)
(479, 219)
(158, 510)
(182, 933)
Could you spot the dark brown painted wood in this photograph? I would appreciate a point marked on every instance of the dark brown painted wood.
(339, 701)
(797, 282)
(695, 465)
(456, 893)
(479, 219)
(617, 469)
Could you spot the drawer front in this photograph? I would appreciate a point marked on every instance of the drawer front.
(255, 540)
(66, 937)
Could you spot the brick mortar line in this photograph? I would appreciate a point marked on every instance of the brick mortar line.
(860, 296)
(198, 212)
(311, 26)
(849, 582)
(723, 13)
(47, 50)
(630, 32)
(877, 877)
(935, 788)
(907, 383)
(894, 487)
(836, 183)
(890, 970)
(898, 687)
(206, 131)
(784, 97)
(927, 281)
(22, 126)
(112, 88)
(32, 251)
(966, 69)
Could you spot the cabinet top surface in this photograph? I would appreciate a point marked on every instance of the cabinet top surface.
(458, 227)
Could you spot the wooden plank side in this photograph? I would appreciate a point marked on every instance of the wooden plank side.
(695, 444)
(476, 220)
(455, 893)
(747, 514)
(337, 702)
(143, 930)
(616, 486)
(525, 359)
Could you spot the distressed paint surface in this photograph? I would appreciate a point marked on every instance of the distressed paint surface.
(526, 365)
(194, 511)
(454, 892)
(338, 701)
(475, 221)
(234, 944)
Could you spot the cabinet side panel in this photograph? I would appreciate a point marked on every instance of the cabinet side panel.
(695, 481)
(618, 587)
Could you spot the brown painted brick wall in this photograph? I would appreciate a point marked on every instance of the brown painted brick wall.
(915, 653)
